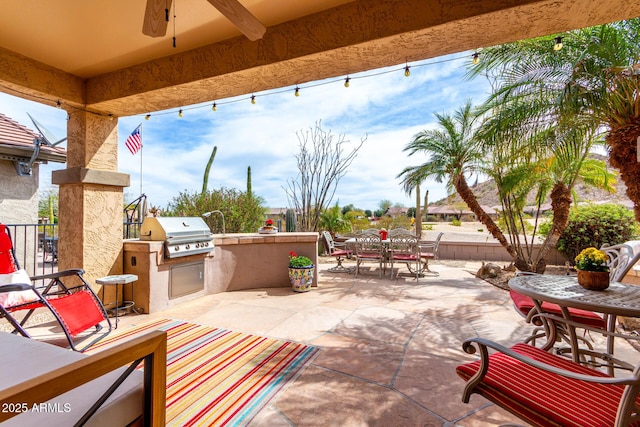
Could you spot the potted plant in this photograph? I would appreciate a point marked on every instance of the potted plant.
(301, 270)
(593, 271)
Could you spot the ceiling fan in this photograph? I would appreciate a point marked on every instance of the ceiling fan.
(156, 18)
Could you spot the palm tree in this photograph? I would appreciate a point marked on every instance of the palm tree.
(453, 152)
(590, 86)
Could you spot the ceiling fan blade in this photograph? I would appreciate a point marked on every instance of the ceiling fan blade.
(155, 18)
(240, 17)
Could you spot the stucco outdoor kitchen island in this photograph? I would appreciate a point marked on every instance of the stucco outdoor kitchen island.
(239, 261)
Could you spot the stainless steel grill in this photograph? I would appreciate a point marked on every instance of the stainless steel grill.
(182, 236)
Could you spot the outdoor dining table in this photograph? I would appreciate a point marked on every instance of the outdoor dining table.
(619, 299)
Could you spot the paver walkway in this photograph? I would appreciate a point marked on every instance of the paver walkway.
(389, 347)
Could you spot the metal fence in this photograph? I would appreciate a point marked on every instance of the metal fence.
(36, 247)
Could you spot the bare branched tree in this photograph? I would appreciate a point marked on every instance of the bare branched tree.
(322, 162)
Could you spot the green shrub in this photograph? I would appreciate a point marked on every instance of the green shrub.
(456, 222)
(242, 213)
(427, 227)
(595, 225)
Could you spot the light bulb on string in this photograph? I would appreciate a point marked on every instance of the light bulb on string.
(214, 107)
(253, 99)
(180, 113)
(58, 104)
(346, 82)
(475, 58)
(297, 92)
(558, 44)
(110, 117)
(407, 73)
(147, 117)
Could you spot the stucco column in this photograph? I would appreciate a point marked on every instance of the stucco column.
(91, 197)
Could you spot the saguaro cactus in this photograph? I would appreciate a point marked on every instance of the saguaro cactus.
(249, 181)
(290, 220)
(205, 180)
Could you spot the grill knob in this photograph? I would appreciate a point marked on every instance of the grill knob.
(177, 248)
(197, 245)
(187, 247)
(206, 244)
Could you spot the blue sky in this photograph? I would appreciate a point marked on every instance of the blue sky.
(383, 105)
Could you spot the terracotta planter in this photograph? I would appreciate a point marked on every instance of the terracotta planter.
(593, 280)
(301, 278)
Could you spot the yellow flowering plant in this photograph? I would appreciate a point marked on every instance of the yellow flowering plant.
(592, 259)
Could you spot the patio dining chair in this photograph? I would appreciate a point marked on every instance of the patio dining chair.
(369, 248)
(404, 248)
(65, 294)
(339, 254)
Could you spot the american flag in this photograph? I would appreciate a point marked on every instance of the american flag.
(134, 142)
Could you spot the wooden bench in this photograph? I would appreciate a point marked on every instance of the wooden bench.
(544, 389)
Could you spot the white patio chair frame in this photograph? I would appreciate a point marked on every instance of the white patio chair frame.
(338, 254)
(368, 247)
(404, 248)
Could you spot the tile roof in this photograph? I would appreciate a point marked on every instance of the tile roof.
(17, 140)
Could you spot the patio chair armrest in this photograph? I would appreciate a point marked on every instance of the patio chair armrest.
(484, 344)
(63, 273)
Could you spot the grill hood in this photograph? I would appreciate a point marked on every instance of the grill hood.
(181, 235)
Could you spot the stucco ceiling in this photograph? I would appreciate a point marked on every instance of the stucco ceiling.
(93, 54)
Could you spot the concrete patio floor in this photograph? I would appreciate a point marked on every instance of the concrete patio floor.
(389, 347)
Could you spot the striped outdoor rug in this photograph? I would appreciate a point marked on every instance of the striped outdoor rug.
(217, 376)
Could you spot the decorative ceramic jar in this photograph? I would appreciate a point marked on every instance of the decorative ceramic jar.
(593, 280)
(301, 278)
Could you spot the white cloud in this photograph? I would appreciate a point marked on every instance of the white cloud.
(386, 106)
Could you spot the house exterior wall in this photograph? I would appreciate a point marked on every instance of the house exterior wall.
(19, 205)
(18, 195)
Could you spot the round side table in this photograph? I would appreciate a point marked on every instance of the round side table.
(116, 280)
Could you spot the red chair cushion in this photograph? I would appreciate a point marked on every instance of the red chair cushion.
(404, 257)
(429, 255)
(524, 305)
(7, 263)
(340, 252)
(370, 256)
(543, 398)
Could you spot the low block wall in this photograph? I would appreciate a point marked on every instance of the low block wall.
(486, 251)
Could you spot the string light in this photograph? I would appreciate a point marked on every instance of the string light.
(558, 44)
(110, 116)
(346, 81)
(147, 117)
(475, 58)
(407, 73)
(58, 104)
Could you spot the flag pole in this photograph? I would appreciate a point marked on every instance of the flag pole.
(141, 147)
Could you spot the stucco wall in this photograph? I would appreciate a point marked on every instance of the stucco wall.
(485, 251)
(18, 195)
(19, 205)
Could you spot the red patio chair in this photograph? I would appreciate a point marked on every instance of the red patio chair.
(70, 299)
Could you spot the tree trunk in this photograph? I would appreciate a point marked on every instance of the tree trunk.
(418, 219)
(623, 156)
(426, 205)
(470, 199)
(561, 204)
